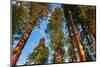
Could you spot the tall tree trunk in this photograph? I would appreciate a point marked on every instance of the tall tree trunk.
(18, 49)
(68, 15)
(77, 39)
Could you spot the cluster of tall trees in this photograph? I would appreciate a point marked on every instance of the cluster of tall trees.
(79, 25)
(25, 16)
(80, 22)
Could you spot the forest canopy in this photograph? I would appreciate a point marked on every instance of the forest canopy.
(49, 33)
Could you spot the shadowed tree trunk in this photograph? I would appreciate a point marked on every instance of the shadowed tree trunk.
(71, 48)
(92, 26)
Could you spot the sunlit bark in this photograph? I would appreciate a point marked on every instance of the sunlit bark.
(18, 49)
(78, 41)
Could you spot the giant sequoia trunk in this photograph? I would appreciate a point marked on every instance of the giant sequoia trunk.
(77, 39)
(18, 49)
(82, 54)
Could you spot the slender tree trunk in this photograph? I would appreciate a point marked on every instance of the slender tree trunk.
(78, 41)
